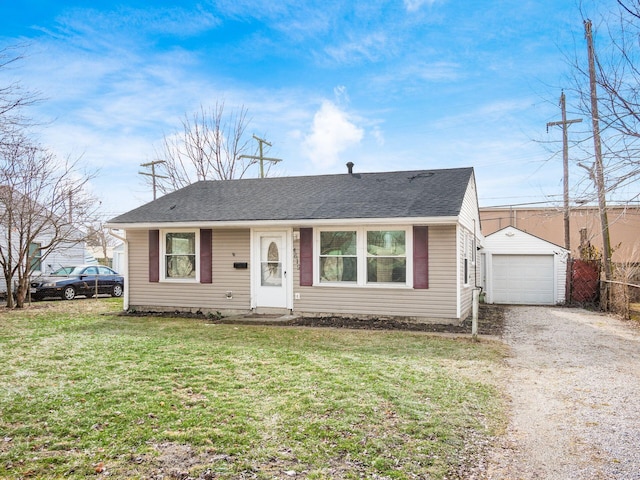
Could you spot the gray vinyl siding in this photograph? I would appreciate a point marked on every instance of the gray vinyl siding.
(469, 213)
(466, 289)
(469, 225)
(64, 254)
(436, 302)
(229, 246)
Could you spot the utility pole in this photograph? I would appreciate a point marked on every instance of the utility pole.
(261, 157)
(153, 173)
(599, 170)
(565, 163)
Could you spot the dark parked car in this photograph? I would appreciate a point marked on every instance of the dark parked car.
(67, 282)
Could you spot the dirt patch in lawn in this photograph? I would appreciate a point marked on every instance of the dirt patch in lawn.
(174, 461)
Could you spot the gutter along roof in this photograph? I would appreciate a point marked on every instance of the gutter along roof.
(312, 199)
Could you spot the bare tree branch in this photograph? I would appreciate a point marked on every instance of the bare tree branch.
(617, 66)
(41, 202)
(209, 146)
(98, 236)
(635, 13)
(13, 98)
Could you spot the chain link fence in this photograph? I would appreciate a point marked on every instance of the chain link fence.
(621, 295)
(584, 283)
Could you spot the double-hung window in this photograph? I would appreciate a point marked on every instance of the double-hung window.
(386, 256)
(364, 256)
(468, 259)
(180, 255)
(338, 256)
(35, 257)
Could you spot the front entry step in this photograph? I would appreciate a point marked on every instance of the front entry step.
(271, 311)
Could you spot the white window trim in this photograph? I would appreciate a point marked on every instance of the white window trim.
(39, 257)
(361, 255)
(163, 256)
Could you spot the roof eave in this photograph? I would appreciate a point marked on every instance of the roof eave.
(445, 220)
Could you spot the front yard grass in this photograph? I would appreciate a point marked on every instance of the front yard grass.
(87, 393)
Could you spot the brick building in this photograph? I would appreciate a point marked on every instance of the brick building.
(548, 224)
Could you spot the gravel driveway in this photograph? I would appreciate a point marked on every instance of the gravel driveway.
(574, 383)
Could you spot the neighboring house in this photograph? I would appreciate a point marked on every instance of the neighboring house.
(114, 258)
(399, 244)
(65, 253)
(548, 224)
(519, 268)
(118, 260)
(22, 215)
(98, 254)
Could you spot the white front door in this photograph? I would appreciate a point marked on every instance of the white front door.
(270, 273)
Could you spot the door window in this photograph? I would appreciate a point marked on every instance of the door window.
(270, 262)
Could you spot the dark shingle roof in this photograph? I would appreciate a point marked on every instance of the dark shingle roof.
(422, 193)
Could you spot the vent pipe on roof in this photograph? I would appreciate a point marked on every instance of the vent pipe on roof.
(350, 167)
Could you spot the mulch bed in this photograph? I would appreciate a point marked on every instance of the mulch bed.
(490, 321)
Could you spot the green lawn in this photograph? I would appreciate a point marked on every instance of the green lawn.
(84, 392)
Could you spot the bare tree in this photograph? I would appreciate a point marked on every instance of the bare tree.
(617, 75)
(98, 236)
(41, 201)
(605, 80)
(13, 98)
(211, 145)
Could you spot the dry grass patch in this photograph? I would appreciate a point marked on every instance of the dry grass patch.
(85, 394)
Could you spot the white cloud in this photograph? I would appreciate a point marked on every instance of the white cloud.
(369, 47)
(341, 95)
(331, 134)
(88, 22)
(502, 111)
(378, 136)
(415, 5)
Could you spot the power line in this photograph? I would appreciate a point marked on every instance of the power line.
(261, 157)
(565, 164)
(153, 173)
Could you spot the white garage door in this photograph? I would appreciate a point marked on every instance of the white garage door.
(523, 279)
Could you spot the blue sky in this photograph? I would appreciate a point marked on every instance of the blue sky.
(388, 85)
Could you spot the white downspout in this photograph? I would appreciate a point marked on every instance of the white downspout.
(125, 305)
(475, 299)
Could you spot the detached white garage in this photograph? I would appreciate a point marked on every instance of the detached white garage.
(520, 268)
